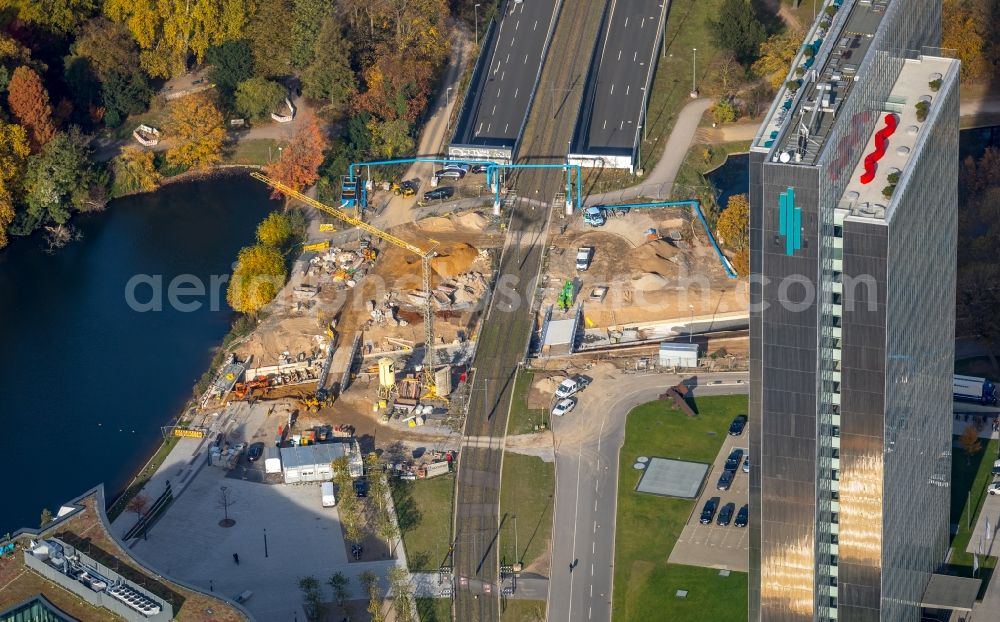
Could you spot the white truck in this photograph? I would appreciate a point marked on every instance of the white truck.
(571, 386)
(583, 255)
(326, 491)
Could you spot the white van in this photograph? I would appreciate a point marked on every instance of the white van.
(326, 491)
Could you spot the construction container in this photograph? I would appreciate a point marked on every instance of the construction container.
(272, 460)
(386, 372)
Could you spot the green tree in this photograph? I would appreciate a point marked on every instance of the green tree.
(259, 275)
(338, 582)
(349, 510)
(85, 89)
(123, 95)
(739, 29)
(108, 46)
(232, 63)
(392, 138)
(402, 594)
(370, 584)
(271, 45)
(308, 16)
(330, 78)
(60, 179)
(257, 97)
(312, 600)
(134, 171)
(275, 230)
(724, 111)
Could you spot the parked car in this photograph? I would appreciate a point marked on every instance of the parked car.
(742, 516)
(563, 406)
(708, 512)
(746, 464)
(449, 173)
(457, 166)
(733, 461)
(360, 488)
(726, 480)
(255, 452)
(583, 255)
(478, 169)
(726, 514)
(994, 488)
(444, 192)
(996, 467)
(736, 428)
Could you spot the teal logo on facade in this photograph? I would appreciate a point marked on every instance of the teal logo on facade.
(790, 221)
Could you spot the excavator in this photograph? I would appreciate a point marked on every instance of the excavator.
(241, 390)
(405, 188)
(312, 403)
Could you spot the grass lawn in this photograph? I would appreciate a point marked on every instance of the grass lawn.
(524, 420)
(527, 487)
(434, 609)
(644, 582)
(423, 509)
(969, 477)
(523, 611)
(254, 151)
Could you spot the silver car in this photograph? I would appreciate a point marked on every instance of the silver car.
(564, 406)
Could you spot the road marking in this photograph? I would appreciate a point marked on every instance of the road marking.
(595, 526)
(619, 54)
(576, 522)
(508, 58)
(516, 91)
(536, 25)
(642, 23)
(592, 570)
(517, 24)
(590, 613)
(502, 75)
(612, 89)
(635, 56)
(494, 109)
(525, 59)
(605, 125)
(627, 89)
(512, 42)
(593, 550)
(505, 128)
(626, 23)
(591, 590)
(595, 505)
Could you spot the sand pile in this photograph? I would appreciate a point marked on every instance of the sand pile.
(648, 282)
(548, 386)
(454, 260)
(473, 221)
(436, 224)
(657, 256)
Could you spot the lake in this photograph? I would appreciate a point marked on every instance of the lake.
(86, 380)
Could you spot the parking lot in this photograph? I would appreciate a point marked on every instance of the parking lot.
(713, 545)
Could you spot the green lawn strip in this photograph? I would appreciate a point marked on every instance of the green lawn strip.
(140, 480)
(254, 151)
(969, 477)
(423, 509)
(434, 609)
(648, 526)
(523, 611)
(524, 420)
(526, 491)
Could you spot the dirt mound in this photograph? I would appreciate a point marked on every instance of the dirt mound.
(649, 282)
(454, 260)
(476, 222)
(436, 224)
(657, 256)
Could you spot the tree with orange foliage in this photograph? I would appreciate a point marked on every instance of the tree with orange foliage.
(299, 164)
(29, 102)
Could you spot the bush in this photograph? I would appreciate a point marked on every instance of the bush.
(935, 85)
(792, 85)
(831, 10)
(888, 190)
(800, 71)
(724, 112)
(810, 51)
(893, 178)
(922, 109)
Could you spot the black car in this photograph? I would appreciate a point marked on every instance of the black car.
(737, 426)
(255, 452)
(708, 512)
(726, 514)
(444, 192)
(733, 461)
(726, 479)
(360, 488)
(742, 516)
(478, 169)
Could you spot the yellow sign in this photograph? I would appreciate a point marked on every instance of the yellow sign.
(189, 433)
(325, 227)
(318, 246)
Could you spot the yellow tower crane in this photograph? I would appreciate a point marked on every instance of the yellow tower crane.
(427, 381)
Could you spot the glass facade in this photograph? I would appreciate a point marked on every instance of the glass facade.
(38, 609)
(839, 343)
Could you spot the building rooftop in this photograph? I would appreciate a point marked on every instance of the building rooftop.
(897, 132)
(825, 69)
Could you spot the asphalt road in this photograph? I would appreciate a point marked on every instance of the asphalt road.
(627, 53)
(587, 486)
(515, 59)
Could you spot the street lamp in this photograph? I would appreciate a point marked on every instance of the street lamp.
(691, 325)
(265, 541)
(476, 10)
(694, 72)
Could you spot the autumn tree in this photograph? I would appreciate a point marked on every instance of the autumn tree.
(196, 127)
(138, 505)
(776, 56)
(59, 16)
(134, 171)
(29, 102)
(329, 78)
(402, 594)
(969, 440)
(734, 223)
(259, 275)
(46, 517)
(965, 29)
(257, 97)
(299, 163)
(108, 46)
(369, 583)
(168, 31)
(275, 230)
(14, 152)
(61, 179)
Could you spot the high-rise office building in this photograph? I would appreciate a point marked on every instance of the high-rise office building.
(853, 192)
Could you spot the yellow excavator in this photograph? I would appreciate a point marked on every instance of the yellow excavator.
(405, 188)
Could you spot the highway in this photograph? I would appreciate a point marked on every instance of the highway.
(587, 485)
(503, 341)
(500, 103)
(626, 56)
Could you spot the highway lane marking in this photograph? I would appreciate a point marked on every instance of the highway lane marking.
(576, 522)
(517, 24)
(619, 54)
(642, 23)
(612, 89)
(505, 127)
(516, 91)
(611, 17)
(525, 59)
(536, 25)
(494, 110)
(590, 612)
(591, 569)
(626, 23)
(512, 41)
(627, 89)
(502, 76)
(591, 590)
(635, 56)
(595, 526)
(593, 550)
(508, 58)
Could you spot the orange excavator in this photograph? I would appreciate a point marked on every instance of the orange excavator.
(241, 390)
